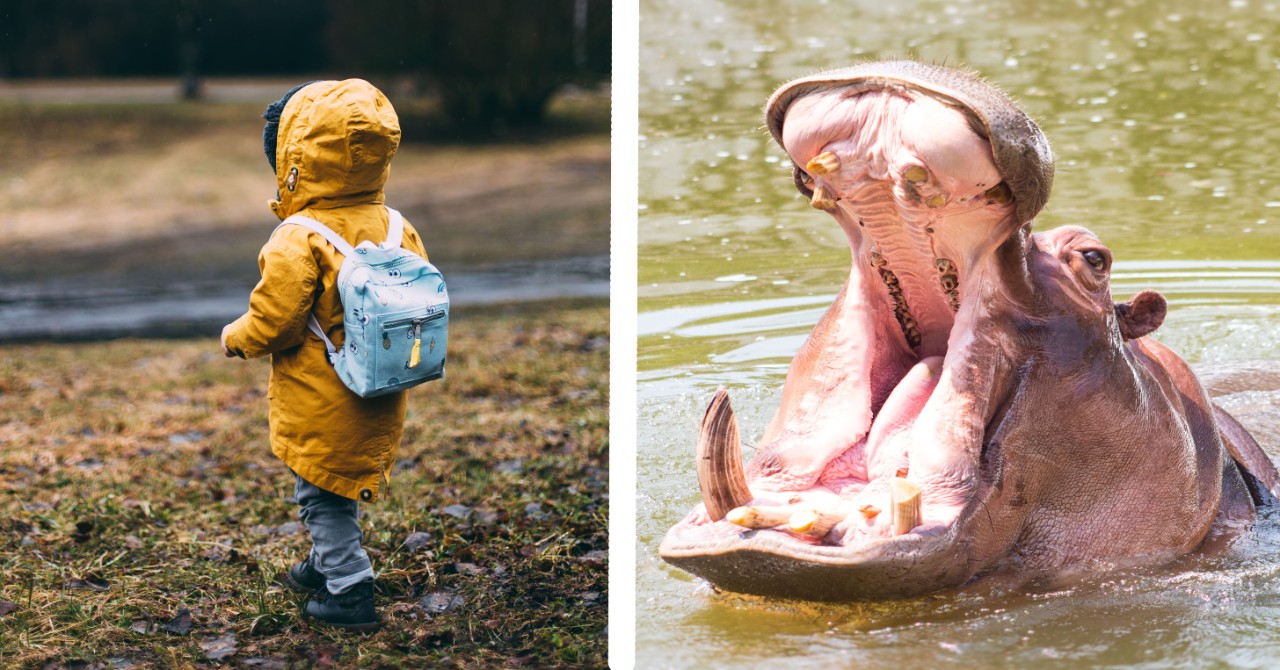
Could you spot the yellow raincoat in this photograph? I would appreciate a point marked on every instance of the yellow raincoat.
(333, 154)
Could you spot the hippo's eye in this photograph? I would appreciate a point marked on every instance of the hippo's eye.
(1095, 258)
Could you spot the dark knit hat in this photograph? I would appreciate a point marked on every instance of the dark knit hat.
(272, 129)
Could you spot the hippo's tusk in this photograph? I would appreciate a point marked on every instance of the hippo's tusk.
(758, 517)
(813, 522)
(906, 505)
(720, 475)
(823, 164)
(823, 199)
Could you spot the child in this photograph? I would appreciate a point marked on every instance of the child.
(330, 144)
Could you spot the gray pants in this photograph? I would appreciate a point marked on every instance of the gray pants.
(333, 522)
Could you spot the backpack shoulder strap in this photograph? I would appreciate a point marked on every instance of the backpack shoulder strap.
(314, 325)
(324, 231)
(395, 230)
(343, 248)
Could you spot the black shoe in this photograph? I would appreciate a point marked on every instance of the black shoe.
(303, 578)
(351, 610)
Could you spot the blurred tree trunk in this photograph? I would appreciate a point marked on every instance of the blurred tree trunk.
(579, 35)
(189, 48)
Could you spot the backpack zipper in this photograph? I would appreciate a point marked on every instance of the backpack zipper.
(418, 321)
(415, 356)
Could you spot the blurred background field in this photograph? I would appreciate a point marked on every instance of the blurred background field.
(142, 516)
(133, 187)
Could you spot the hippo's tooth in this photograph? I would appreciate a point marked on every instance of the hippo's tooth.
(935, 201)
(906, 505)
(813, 522)
(822, 198)
(915, 174)
(720, 475)
(758, 517)
(823, 164)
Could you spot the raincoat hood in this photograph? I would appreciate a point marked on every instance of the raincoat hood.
(334, 147)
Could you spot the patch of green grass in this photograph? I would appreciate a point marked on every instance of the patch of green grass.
(136, 482)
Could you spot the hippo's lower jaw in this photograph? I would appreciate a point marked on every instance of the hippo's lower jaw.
(772, 563)
(809, 544)
(848, 536)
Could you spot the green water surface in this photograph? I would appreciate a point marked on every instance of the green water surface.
(1165, 121)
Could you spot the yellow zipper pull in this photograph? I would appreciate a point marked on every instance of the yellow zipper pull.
(415, 355)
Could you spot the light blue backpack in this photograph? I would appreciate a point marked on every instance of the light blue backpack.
(395, 313)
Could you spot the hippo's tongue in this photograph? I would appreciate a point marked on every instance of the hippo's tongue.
(888, 444)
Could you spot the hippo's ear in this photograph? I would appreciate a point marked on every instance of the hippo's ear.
(1141, 315)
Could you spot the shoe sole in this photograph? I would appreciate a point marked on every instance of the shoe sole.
(349, 627)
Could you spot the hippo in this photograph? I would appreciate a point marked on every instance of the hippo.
(973, 405)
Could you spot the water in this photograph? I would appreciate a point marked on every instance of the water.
(1162, 117)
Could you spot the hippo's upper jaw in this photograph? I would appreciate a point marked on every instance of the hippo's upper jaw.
(903, 457)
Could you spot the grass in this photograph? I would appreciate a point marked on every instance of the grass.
(143, 517)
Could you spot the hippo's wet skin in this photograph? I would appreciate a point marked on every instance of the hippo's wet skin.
(966, 358)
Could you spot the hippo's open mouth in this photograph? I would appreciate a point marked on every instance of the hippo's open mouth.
(867, 474)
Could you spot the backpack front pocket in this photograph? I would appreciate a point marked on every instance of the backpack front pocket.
(411, 349)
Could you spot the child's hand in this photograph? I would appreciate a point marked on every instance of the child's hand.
(225, 351)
